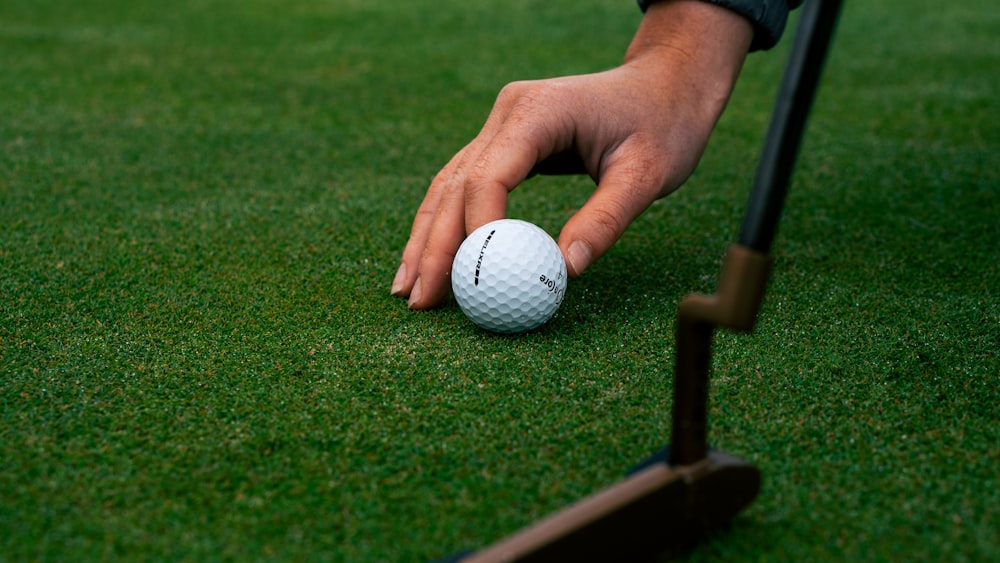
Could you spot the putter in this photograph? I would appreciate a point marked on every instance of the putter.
(687, 490)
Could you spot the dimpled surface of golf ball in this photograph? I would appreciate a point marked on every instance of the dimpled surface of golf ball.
(509, 276)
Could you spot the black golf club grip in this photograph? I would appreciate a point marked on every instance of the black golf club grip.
(798, 88)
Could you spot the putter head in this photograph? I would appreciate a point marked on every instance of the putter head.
(722, 485)
(656, 510)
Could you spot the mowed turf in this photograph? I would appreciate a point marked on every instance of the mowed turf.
(202, 206)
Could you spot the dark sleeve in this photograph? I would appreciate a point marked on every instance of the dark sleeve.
(767, 16)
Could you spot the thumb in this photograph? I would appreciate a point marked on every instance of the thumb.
(622, 195)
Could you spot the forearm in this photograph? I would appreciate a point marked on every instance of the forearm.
(697, 48)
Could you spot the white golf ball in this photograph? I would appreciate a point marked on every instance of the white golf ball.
(509, 276)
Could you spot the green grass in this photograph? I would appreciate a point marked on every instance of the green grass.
(202, 206)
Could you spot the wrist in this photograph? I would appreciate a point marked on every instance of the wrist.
(768, 17)
(694, 47)
(699, 28)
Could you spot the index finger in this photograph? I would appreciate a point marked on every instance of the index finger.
(527, 136)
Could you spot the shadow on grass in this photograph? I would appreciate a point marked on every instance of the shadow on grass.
(638, 281)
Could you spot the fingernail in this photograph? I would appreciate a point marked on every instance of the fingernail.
(397, 282)
(415, 293)
(579, 257)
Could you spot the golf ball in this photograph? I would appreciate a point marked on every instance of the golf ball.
(509, 276)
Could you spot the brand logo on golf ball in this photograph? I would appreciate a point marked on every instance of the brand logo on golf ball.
(479, 263)
(554, 285)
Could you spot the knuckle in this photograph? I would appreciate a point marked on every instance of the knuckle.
(539, 97)
(608, 222)
(512, 92)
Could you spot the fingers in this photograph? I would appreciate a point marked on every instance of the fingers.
(432, 282)
(437, 232)
(626, 190)
(529, 128)
(423, 224)
(503, 164)
(470, 191)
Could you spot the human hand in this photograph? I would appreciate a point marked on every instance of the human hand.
(638, 130)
